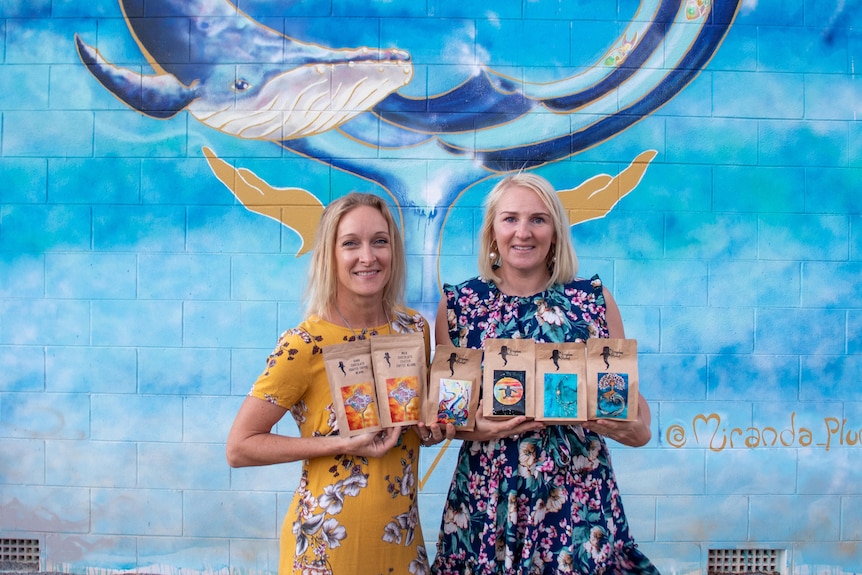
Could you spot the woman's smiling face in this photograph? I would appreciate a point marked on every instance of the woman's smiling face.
(363, 252)
(524, 232)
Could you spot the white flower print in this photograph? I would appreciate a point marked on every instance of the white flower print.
(596, 546)
(539, 511)
(392, 532)
(528, 460)
(549, 314)
(512, 509)
(403, 525)
(354, 483)
(419, 566)
(556, 500)
(453, 521)
(332, 499)
(408, 479)
(333, 532)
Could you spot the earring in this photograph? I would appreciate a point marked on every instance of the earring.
(492, 256)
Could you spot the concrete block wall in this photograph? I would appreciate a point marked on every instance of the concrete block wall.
(139, 298)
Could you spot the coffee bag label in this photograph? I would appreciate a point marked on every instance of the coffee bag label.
(351, 383)
(561, 382)
(612, 366)
(400, 374)
(507, 382)
(453, 388)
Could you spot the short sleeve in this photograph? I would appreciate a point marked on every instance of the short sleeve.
(288, 372)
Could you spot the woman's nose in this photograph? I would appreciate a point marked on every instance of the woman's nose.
(366, 255)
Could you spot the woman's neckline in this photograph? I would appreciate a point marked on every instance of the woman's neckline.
(364, 331)
(541, 284)
(499, 289)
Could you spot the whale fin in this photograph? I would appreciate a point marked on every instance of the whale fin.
(160, 96)
(597, 196)
(294, 208)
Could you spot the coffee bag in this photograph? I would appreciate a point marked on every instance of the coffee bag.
(453, 386)
(561, 382)
(400, 374)
(351, 381)
(612, 378)
(507, 378)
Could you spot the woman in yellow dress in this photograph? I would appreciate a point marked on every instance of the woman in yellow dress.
(355, 509)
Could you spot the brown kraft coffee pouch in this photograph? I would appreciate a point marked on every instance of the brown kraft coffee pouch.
(612, 378)
(453, 386)
(351, 381)
(507, 378)
(400, 372)
(561, 382)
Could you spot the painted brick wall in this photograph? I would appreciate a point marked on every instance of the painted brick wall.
(139, 298)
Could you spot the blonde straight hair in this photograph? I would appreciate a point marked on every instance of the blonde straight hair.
(562, 260)
(320, 293)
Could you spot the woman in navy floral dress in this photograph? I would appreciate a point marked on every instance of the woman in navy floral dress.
(529, 498)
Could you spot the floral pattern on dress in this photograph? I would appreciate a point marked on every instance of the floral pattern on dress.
(547, 501)
(317, 528)
(328, 523)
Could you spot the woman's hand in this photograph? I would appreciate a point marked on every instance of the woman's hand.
(632, 433)
(375, 444)
(434, 433)
(491, 429)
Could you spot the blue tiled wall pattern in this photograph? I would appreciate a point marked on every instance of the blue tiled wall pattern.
(139, 297)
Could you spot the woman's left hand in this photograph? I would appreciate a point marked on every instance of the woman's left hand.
(434, 433)
(632, 433)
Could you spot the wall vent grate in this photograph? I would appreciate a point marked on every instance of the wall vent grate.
(20, 550)
(745, 562)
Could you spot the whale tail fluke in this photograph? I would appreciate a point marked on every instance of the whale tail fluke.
(160, 96)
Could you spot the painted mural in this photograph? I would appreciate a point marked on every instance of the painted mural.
(164, 165)
(252, 82)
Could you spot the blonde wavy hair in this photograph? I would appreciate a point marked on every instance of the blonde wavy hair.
(320, 293)
(562, 261)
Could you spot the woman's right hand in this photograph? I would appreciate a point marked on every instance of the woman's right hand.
(251, 441)
(492, 429)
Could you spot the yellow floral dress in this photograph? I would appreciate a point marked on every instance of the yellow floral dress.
(349, 514)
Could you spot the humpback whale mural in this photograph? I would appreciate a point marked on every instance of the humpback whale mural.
(342, 106)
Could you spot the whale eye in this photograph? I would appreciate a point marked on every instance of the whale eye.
(241, 85)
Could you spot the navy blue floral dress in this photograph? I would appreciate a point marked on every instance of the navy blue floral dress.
(545, 502)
